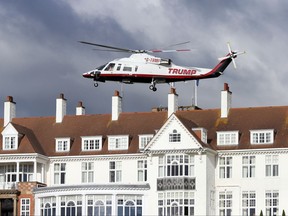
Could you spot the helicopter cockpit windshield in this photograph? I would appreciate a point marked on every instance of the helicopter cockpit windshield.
(101, 67)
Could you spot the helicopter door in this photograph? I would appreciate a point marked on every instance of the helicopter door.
(110, 67)
(118, 67)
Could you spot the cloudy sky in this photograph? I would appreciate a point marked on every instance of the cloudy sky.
(41, 58)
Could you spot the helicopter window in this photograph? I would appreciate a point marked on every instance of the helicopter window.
(118, 67)
(127, 68)
(101, 67)
(110, 67)
(136, 68)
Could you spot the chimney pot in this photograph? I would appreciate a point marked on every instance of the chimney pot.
(116, 93)
(9, 99)
(80, 104)
(61, 96)
(80, 109)
(226, 87)
(172, 91)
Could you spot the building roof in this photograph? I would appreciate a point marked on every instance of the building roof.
(39, 133)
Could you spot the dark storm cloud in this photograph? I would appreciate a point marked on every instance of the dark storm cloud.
(40, 57)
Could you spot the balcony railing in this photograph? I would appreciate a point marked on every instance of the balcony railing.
(176, 183)
(8, 185)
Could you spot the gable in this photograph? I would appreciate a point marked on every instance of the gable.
(173, 135)
(9, 130)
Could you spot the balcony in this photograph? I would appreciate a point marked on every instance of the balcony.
(176, 183)
(8, 186)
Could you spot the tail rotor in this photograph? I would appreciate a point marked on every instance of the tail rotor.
(232, 55)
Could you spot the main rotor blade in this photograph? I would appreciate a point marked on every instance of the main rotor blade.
(111, 50)
(165, 51)
(109, 47)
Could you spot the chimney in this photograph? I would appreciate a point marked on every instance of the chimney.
(80, 109)
(9, 110)
(226, 100)
(172, 102)
(116, 105)
(60, 108)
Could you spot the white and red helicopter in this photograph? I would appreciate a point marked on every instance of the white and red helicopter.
(141, 67)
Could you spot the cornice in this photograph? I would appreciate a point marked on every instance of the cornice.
(175, 151)
(92, 187)
(83, 158)
(252, 152)
(17, 157)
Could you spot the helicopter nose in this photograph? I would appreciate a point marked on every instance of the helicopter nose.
(89, 74)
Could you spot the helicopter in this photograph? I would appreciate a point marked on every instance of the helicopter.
(143, 67)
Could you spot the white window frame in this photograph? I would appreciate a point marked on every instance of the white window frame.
(225, 202)
(91, 143)
(62, 144)
(272, 202)
(225, 167)
(174, 137)
(142, 170)
(87, 172)
(248, 203)
(144, 139)
(115, 171)
(25, 207)
(60, 173)
(227, 137)
(262, 136)
(8, 144)
(272, 165)
(118, 142)
(99, 203)
(170, 165)
(248, 166)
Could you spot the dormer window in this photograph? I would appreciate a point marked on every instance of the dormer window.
(227, 137)
(10, 137)
(118, 142)
(10, 143)
(201, 133)
(91, 143)
(262, 136)
(62, 144)
(144, 140)
(174, 136)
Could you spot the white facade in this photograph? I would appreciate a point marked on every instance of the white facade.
(186, 166)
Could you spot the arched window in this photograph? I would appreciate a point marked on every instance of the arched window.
(47, 209)
(175, 209)
(70, 209)
(99, 208)
(129, 208)
(174, 136)
(129, 205)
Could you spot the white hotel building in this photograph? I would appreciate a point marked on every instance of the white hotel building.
(227, 161)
